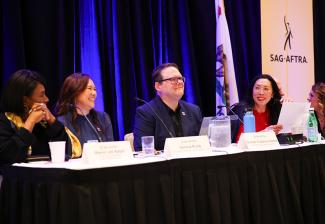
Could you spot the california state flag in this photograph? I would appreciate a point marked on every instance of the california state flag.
(226, 87)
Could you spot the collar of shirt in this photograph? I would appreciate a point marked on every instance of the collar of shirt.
(176, 120)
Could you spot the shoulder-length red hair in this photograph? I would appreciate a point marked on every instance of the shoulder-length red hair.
(72, 87)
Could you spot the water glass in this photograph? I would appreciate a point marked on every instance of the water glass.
(219, 132)
(148, 145)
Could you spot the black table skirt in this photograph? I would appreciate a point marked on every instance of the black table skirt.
(280, 186)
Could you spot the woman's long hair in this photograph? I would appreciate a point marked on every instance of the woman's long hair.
(274, 105)
(72, 87)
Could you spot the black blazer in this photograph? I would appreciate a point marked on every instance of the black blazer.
(322, 132)
(147, 124)
(14, 142)
(238, 110)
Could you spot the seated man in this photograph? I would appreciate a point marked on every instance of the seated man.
(166, 115)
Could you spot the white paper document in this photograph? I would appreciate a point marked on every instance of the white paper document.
(293, 115)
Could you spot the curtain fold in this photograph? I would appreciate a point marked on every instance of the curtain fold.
(130, 39)
(136, 36)
(244, 22)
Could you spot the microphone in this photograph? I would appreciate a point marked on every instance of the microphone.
(90, 124)
(157, 116)
(235, 116)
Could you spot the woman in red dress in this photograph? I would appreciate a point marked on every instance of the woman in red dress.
(265, 101)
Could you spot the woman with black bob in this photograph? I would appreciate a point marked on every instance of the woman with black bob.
(265, 101)
(26, 124)
(75, 109)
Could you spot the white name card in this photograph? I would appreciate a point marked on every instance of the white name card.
(256, 141)
(186, 146)
(100, 152)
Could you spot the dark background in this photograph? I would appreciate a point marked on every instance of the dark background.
(133, 37)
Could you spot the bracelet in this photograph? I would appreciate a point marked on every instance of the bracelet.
(31, 110)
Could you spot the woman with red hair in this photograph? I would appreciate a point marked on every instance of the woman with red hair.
(75, 109)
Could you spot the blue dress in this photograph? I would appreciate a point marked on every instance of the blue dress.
(86, 132)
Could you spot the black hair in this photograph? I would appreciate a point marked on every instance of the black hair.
(156, 74)
(274, 105)
(22, 83)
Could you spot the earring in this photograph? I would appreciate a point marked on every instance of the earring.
(26, 108)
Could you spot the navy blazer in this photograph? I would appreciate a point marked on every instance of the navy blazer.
(239, 110)
(146, 122)
(86, 132)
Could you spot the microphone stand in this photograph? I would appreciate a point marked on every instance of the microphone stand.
(91, 125)
(229, 108)
(145, 102)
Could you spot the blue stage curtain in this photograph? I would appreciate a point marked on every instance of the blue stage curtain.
(244, 21)
(133, 37)
(120, 42)
(37, 35)
(319, 37)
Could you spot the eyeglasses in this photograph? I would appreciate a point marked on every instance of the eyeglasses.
(174, 80)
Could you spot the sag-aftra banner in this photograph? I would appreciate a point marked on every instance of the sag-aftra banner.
(287, 44)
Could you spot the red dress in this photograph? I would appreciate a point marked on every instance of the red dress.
(261, 122)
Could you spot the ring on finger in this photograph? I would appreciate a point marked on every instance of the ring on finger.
(31, 110)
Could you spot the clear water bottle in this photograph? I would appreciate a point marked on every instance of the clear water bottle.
(249, 122)
(312, 129)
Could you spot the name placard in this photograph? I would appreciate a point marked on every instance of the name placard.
(186, 146)
(258, 141)
(100, 152)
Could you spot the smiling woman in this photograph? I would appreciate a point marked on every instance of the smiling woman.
(265, 101)
(27, 125)
(75, 109)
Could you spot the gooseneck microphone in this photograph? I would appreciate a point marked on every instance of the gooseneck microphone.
(157, 116)
(229, 108)
(89, 122)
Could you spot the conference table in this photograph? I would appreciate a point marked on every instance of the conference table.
(274, 186)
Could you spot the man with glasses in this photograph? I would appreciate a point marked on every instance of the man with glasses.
(166, 115)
